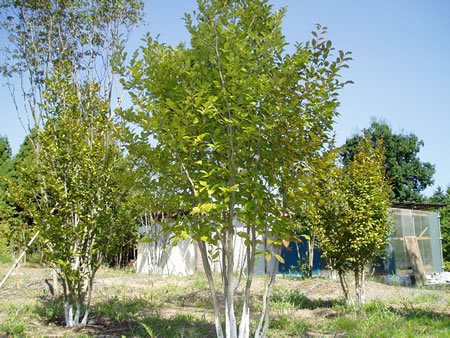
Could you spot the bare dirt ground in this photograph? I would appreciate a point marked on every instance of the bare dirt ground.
(27, 297)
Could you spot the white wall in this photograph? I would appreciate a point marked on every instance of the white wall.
(162, 258)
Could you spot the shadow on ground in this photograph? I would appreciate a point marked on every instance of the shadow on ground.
(135, 317)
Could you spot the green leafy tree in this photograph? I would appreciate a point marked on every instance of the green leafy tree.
(18, 222)
(6, 169)
(80, 170)
(76, 43)
(308, 196)
(231, 121)
(6, 166)
(408, 175)
(350, 204)
(5, 153)
(443, 196)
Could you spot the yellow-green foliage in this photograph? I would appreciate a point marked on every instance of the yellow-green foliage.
(350, 208)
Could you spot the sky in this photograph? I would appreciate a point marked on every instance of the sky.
(400, 67)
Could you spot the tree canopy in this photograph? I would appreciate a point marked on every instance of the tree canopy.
(443, 196)
(233, 118)
(64, 52)
(409, 176)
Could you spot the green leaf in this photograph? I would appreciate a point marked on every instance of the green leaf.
(279, 258)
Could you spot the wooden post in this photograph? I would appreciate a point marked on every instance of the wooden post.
(18, 259)
(416, 259)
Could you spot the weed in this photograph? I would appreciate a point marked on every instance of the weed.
(120, 309)
(51, 309)
(148, 330)
(290, 325)
(13, 327)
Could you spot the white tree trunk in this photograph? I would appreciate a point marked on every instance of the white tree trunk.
(264, 321)
(227, 272)
(212, 288)
(244, 327)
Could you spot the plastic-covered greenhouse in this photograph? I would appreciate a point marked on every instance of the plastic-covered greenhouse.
(415, 230)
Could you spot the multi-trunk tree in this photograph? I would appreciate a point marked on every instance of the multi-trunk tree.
(349, 207)
(63, 53)
(231, 120)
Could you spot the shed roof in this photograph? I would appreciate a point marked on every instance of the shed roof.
(417, 205)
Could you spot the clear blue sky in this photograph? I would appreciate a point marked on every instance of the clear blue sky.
(401, 66)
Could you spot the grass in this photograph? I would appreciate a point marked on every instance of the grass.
(139, 305)
(180, 325)
(16, 318)
(377, 319)
(284, 325)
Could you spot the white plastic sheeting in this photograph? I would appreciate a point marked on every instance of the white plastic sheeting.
(157, 255)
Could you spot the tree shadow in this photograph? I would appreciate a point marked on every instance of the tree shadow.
(300, 301)
(132, 316)
(180, 325)
(421, 314)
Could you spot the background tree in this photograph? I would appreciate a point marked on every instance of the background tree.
(352, 205)
(6, 166)
(443, 196)
(408, 175)
(232, 119)
(6, 169)
(17, 223)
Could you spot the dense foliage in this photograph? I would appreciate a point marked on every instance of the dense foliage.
(63, 53)
(349, 208)
(409, 176)
(443, 196)
(233, 119)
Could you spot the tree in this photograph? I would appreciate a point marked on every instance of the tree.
(408, 175)
(5, 172)
(309, 196)
(63, 52)
(86, 35)
(350, 204)
(79, 163)
(441, 196)
(232, 119)
(5, 165)
(18, 224)
(5, 150)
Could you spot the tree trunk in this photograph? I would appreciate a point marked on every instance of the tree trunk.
(311, 254)
(212, 288)
(88, 304)
(55, 283)
(348, 298)
(227, 271)
(264, 320)
(359, 286)
(244, 327)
